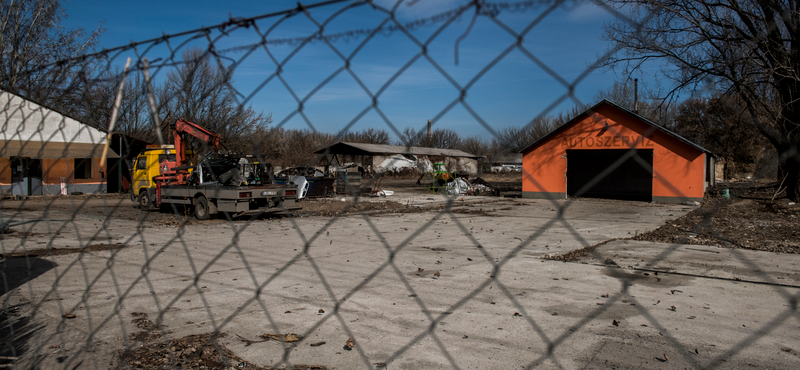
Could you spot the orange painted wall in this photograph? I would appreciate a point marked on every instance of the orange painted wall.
(5, 171)
(54, 169)
(678, 169)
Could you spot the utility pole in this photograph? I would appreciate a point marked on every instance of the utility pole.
(428, 142)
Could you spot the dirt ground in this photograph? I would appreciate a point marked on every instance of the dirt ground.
(753, 217)
(119, 206)
(750, 219)
(197, 351)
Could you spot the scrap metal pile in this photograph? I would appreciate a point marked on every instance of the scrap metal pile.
(476, 186)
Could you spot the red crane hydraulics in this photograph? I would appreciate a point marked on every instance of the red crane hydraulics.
(179, 174)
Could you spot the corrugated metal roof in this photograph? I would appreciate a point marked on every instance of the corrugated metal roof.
(598, 105)
(515, 158)
(348, 148)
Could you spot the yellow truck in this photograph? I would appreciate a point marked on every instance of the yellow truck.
(154, 161)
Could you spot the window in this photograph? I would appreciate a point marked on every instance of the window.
(83, 168)
(168, 157)
(141, 163)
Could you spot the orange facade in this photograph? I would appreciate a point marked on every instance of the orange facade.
(53, 170)
(678, 167)
(5, 171)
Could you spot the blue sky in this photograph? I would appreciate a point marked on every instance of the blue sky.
(511, 93)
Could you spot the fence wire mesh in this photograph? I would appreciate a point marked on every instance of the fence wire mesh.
(448, 282)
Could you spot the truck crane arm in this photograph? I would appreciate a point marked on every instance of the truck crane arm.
(181, 128)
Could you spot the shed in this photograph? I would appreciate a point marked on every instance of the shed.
(45, 152)
(505, 162)
(374, 154)
(610, 152)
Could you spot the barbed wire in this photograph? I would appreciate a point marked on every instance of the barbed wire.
(487, 9)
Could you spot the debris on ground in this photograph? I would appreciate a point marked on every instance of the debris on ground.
(481, 187)
(149, 330)
(476, 186)
(577, 254)
(288, 337)
(327, 208)
(751, 219)
(350, 344)
(53, 251)
(122, 208)
(192, 351)
(197, 351)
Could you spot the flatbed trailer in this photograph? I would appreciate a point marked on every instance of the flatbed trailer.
(214, 185)
(235, 201)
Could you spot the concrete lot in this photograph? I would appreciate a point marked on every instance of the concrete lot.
(496, 303)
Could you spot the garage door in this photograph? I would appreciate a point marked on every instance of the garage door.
(629, 181)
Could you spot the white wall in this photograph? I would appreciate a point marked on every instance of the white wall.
(27, 121)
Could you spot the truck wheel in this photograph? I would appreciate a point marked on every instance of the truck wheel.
(201, 208)
(144, 199)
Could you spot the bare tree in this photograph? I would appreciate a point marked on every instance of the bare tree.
(31, 42)
(300, 146)
(475, 145)
(269, 143)
(412, 137)
(513, 139)
(720, 124)
(646, 104)
(444, 138)
(200, 91)
(134, 117)
(748, 48)
(367, 136)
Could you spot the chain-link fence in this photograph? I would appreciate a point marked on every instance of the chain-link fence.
(417, 280)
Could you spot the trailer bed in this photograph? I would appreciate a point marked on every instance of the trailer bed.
(233, 200)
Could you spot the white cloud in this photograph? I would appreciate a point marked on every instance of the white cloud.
(585, 11)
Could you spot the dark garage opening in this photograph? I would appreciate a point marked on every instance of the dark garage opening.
(629, 181)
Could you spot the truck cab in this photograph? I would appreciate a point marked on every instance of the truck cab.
(154, 161)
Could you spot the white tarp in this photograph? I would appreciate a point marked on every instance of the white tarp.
(507, 168)
(424, 165)
(395, 163)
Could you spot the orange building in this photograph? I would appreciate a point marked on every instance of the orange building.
(610, 152)
(44, 152)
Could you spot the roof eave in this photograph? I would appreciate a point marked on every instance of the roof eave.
(594, 108)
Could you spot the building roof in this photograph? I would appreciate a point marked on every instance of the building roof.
(32, 130)
(510, 158)
(587, 112)
(347, 148)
